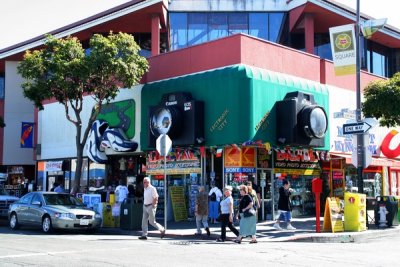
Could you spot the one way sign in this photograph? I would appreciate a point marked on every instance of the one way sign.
(356, 128)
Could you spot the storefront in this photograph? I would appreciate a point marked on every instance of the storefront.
(182, 174)
(239, 120)
(299, 167)
(18, 180)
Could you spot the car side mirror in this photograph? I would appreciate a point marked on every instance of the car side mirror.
(36, 203)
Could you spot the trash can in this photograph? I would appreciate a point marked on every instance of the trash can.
(131, 214)
(392, 207)
(372, 205)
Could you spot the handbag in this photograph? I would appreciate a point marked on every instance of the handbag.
(249, 212)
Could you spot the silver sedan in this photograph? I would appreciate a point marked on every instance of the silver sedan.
(51, 210)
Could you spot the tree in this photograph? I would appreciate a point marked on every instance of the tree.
(382, 100)
(64, 72)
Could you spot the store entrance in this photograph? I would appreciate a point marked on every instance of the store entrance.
(54, 179)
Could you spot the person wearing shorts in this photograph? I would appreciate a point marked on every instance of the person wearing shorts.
(284, 207)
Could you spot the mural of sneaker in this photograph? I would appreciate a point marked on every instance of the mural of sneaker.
(116, 139)
(93, 149)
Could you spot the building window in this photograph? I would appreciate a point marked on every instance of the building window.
(188, 29)
(2, 86)
(377, 59)
(322, 46)
(258, 25)
(197, 28)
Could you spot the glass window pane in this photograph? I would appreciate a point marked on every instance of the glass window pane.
(275, 26)
(2, 86)
(218, 25)
(258, 25)
(238, 23)
(178, 25)
(197, 28)
(378, 63)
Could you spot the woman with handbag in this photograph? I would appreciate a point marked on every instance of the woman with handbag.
(248, 219)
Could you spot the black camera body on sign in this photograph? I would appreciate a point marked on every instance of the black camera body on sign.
(180, 117)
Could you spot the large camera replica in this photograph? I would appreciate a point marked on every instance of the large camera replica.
(178, 116)
(300, 121)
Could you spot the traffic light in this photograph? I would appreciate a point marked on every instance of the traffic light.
(300, 121)
(178, 116)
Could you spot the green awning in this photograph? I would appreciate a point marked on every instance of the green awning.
(239, 102)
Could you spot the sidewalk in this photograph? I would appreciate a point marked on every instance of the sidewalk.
(305, 232)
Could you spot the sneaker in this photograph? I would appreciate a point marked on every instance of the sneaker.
(220, 240)
(143, 237)
(290, 227)
(116, 139)
(93, 148)
(197, 234)
(208, 231)
(277, 227)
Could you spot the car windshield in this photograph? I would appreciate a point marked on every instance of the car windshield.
(62, 199)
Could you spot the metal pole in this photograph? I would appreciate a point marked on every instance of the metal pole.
(165, 191)
(360, 137)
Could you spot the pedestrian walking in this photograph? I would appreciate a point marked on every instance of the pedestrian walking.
(215, 195)
(226, 216)
(201, 211)
(284, 207)
(248, 220)
(150, 200)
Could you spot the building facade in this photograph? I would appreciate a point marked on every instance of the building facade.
(221, 74)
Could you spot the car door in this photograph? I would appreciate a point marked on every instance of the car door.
(22, 208)
(35, 210)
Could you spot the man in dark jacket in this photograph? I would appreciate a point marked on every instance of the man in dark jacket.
(284, 208)
(201, 211)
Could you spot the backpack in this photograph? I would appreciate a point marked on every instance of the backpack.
(213, 197)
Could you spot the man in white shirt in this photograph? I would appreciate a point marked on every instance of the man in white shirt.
(215, 195)
(150, 200)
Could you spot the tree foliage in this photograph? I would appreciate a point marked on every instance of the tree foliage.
(64, 71)
(382, 100)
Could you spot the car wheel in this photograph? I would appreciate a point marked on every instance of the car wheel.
(46, 225)
(14, 225)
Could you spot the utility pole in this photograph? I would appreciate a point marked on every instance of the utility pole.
(360, 137)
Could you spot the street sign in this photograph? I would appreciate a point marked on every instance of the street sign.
(356, 128)
(163, 144)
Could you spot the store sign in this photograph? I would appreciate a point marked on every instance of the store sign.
(240, 170)
(173, 167)
(244, 157)
(52, 166)
(296, 161)
(343, 49)
(386, 147)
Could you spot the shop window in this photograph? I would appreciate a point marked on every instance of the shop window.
(97, 175)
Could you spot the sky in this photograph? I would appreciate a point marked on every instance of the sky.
(21, 20)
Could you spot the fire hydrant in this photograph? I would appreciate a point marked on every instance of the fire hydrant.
(382, 216)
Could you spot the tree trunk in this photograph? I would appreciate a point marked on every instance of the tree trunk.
(78, 170)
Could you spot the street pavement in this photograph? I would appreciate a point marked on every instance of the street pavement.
(305, 232)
